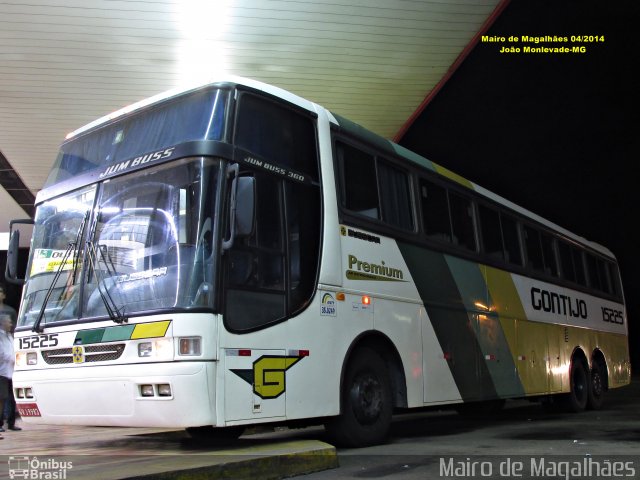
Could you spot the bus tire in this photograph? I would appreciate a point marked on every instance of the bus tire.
(366, 402)
(596, 387)
(215, 434)
(577, 399)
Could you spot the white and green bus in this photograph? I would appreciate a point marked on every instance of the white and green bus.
(233, 254)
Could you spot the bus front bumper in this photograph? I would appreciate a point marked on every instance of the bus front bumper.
(168, 395)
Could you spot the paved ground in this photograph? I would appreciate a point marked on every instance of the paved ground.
(523, 431)
(419, 444)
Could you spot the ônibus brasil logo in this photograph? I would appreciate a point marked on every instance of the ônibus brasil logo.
(38, 469)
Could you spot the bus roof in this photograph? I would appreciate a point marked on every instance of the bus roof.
(350, 128)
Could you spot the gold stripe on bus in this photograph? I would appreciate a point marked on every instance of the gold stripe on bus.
(150, 330)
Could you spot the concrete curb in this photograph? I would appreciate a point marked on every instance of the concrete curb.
(280, 460)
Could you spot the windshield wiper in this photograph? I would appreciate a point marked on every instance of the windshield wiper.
(73, 247)
(115, 314)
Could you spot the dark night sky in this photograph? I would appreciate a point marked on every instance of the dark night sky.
(555, 133)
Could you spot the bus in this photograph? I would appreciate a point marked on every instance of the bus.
(232, 254)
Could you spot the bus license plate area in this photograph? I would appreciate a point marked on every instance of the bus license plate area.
(28, 410)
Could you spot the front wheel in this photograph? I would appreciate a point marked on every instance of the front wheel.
(366, 402)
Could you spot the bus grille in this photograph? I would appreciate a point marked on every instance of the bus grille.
(92, 353)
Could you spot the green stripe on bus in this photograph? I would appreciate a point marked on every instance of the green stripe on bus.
(84, 337)
(116, 334)
(494, 347)
(451, 322)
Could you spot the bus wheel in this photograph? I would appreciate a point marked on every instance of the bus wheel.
(579, 395)
(213, 434)
(596, 387)
(366, 402)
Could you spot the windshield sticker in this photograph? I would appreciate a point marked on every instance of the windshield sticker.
(130, 277)
(372, 271)
(49, 260)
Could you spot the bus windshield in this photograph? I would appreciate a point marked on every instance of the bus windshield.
(148, 246)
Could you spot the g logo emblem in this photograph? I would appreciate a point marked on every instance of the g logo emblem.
(268, 375)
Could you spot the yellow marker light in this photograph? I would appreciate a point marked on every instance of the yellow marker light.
(340, 296)
(366, 300)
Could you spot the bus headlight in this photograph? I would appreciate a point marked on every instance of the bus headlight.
(32, 358)
(159, 348)
(190, 346)
(145, 349)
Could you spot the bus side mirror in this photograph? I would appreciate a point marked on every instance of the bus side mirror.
(11, 270)
(245, 206)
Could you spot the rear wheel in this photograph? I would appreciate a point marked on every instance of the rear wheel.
(213, 434)
(366, 402)
(577, 399)
(597, 386)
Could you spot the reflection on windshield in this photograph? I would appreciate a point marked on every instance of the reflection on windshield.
(151, 246)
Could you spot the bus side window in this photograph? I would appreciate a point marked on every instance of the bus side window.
(277, 133)
(462, 221)
(603, 273)
(359, 184)
(435, 211)
(512, 249)
(534, 248)
(490, 232)
(615, 279)
(255, 265)
(578, 263)
(549, 255)
(566, 262)
(592, 272)
(395, 194)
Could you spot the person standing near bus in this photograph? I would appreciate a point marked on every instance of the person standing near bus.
(4, 308)
(7, 360)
